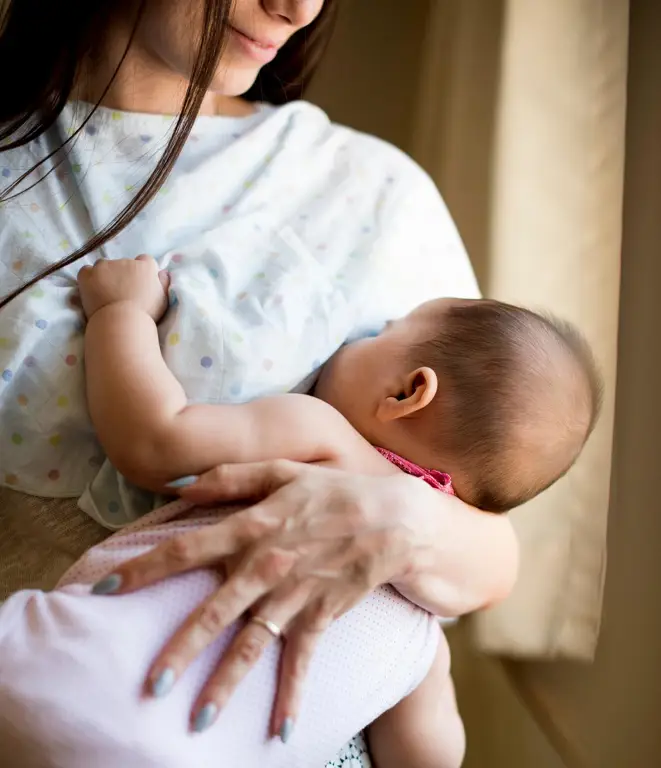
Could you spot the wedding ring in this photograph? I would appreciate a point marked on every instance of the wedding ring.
(269, 626)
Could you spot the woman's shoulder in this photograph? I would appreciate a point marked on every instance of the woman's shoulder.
(313, 131)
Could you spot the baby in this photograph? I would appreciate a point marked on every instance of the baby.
(479, 398)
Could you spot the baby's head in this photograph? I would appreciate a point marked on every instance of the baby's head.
(497, 396)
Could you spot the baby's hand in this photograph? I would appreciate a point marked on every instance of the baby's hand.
(137, 281)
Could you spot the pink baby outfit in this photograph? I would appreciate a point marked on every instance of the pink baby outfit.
(440, 481)
(72, 669)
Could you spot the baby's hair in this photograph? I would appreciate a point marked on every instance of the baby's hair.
(519, 394)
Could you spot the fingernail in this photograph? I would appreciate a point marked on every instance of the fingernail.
(108, 585)
(164, 683)
(205, 718)
(286, 730)
(183, 482)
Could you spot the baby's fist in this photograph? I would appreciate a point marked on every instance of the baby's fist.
(134, 280)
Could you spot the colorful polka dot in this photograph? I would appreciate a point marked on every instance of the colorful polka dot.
(62, 401)
(173, 339)
(17, 266)
(42, 324)
(37, 293)
(55, 440)
(243, 295)
(11, 479)
(35, 208)
(177, 258)
(7, 375)
(4, 342)
(145, 139)
(261, 275)
(172, 298)
(227, 208)
(22, 400)
(113, 507)
(76, 168)
(54, 475)
(90, 130)
(70, 360)
(6, 173)
(206, 362)
(16, 438)
(214, 273)
(29, 362)
(117, 116)
(235, 390)
(65, 244)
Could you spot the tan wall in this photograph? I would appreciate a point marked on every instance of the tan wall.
(369, 77)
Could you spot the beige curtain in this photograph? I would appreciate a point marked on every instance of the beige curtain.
(521, 122)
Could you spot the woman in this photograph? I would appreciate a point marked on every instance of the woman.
(87, 180)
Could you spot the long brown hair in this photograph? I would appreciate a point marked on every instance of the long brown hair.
(59, 37)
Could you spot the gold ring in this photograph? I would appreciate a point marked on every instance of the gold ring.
(270, 626)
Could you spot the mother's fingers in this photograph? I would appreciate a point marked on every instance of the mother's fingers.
(302, 640)
(198, 549)
(233, 482)
(228, 604)
(246, 648)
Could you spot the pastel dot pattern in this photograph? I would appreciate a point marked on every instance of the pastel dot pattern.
(255, 233)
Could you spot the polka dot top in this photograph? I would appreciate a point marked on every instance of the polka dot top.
(285, 236)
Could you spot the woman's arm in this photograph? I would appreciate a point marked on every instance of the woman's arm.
(466, 559)
(316, 544)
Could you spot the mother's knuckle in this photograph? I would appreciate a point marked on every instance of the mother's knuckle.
(180, 552)
(249, 649)
(282, 468)
(273, 564)
(211, 618)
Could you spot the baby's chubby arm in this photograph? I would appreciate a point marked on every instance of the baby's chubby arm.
(140, 412)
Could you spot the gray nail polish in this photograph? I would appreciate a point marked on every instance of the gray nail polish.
(164, 683)
(107, 586)
(286, 730)
(183, 482)
(205, 718)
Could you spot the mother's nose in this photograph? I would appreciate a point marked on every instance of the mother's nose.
(298, 13)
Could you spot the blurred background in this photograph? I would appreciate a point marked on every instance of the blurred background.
(540, 122)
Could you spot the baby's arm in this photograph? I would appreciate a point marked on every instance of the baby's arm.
(424, 730)
(144, 423)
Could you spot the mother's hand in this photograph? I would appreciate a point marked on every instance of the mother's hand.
(316, 543)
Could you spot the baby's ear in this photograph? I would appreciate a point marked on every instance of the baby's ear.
(418, 390)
